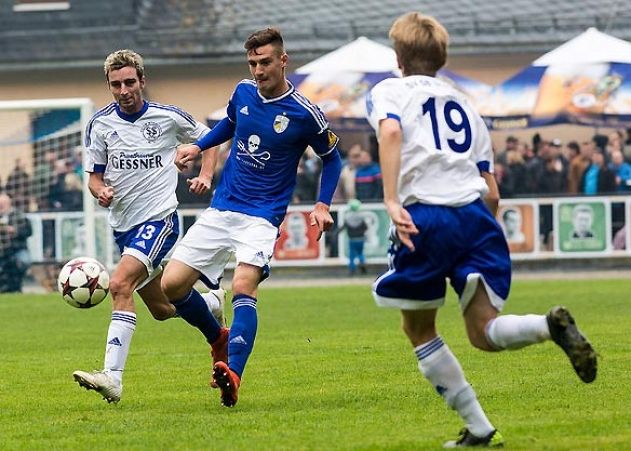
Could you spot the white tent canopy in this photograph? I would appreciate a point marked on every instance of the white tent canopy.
(360, 55)
(590, 47)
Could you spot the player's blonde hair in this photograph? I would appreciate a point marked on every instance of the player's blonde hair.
(420, 43)
(124, 58)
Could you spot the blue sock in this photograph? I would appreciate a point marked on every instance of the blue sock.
(194, 310)
(242, 332)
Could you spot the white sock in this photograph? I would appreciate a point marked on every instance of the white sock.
(517, 331)
(119, 336)
(212, 300)
(442, 370)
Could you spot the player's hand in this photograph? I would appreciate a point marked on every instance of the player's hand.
(185, 154)
(403, 222)
(198, 185)
(321, 218)
(105, 196)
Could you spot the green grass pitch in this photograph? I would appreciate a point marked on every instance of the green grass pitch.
(329, 371)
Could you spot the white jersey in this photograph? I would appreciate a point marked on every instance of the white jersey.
(136, 153)
(445, 144)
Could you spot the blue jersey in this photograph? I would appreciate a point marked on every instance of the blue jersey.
(269, 139)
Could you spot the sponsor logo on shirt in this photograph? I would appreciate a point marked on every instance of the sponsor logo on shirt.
(136, 160)
(151, 131)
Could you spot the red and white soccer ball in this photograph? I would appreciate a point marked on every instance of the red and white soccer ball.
(83, 282)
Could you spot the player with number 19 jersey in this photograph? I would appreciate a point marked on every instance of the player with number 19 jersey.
(445, 142)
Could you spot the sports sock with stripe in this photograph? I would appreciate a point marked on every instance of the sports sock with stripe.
(119, 335)
(441, 368)
(242, 332)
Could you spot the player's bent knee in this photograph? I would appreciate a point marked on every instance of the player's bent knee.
(478, 340)
(120, 287)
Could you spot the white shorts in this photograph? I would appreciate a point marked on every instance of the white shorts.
(218, 235)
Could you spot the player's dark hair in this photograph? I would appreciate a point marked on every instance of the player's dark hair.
(264, 37)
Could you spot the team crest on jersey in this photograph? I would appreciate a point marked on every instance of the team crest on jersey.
(332, 139)
(151, 131)
(281, 123)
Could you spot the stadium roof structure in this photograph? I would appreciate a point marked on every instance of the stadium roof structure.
(189, 31)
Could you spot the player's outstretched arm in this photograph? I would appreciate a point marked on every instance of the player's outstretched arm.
(103, 193)
(201, 184)
(390, 137)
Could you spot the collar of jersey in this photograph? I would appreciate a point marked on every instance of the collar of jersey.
(280, 97)
(132, 117)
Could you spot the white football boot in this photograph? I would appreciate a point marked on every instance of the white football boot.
(101, 382)
(215, 299)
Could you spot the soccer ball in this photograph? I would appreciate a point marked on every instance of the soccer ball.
(83, 282)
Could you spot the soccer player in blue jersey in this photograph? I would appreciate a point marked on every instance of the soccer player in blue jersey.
(131, 147)
(271, 125)
(437, 164)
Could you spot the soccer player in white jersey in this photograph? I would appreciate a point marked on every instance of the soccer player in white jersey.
(131, 146)
(271, 126)
(439, 191)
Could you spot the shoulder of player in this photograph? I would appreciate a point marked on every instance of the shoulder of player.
(103, 112)
(247, 84)
(172, 110)
(308, 109)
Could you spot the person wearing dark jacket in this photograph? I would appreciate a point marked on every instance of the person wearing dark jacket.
(15, 228)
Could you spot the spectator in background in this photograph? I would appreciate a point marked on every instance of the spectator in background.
(626, 150)
(571, 151)
(19, 186)
(598, 178)
(578, 166)
(15, 260)
(368, 185)
(620, 239)
(614, 142)
(516, 167)
(534, 168)
(356, 227)
(44, 178)
(553, 179)
(545, 173)
(622, 171)
(306, 182)
(345, 190)
(557, 147)
(511, 145)
(601, 141)
(525, 151)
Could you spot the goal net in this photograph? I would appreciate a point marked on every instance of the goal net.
(41, 150)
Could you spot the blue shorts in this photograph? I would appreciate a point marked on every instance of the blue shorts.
(150, 241)
(464, 244)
